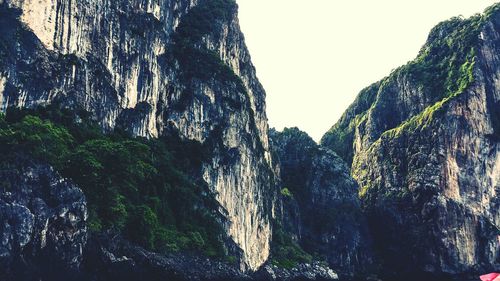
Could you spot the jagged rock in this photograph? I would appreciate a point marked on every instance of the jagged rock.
(426, 153)
(315, 271)
(151, 68)
(112, 258)
(44, 237)
(42, 223)
(323, 211)
(423, 143)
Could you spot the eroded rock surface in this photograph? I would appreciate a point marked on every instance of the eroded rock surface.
(42, 223)
(425, 151)
(153, 68)
(321, 208)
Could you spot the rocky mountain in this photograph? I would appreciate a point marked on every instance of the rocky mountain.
(320, 206)
(425, 150)
(153, 68)
(44, 236)
(134, 146)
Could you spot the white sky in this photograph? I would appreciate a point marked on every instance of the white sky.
(314, 56)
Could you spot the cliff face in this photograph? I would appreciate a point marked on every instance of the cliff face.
(43, 230)
(321, 209)
(429, 171)
(153, 68)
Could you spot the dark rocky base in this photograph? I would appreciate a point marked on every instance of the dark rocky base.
(119, 260)
(107, 259)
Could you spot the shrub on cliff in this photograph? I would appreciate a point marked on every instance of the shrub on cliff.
(133, 186)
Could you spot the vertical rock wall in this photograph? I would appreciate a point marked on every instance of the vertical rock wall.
(429, 170)
(114, 59)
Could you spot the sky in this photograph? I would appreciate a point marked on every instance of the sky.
(314, 56)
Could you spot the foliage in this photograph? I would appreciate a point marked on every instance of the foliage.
(286, 192)
(195, 60)
(438, 67)
(297, 153)
(285, 252)
(204, 18)
(423, 119)
(442, 71)
(340, 137)
(134, 186)
(298, 150)
(42, 138)
(488, 12)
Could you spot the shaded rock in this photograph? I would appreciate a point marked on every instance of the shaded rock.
(426, 154)
(42, 222)
(151, 68)
(112, 258)
(322, 211)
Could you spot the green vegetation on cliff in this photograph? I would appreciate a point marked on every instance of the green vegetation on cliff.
(340, 137)
(286, 192)
(423, 119)
(442, 71)
(285, 251)
(189, 49)
(137, 187)
(300, 149)
(408, 131)
(318, 197)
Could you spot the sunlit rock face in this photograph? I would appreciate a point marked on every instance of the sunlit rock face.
(428, 162)
(114, 59)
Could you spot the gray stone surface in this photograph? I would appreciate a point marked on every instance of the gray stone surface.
(42, 221)
(113, 58)
(323, 214)
(430, 189)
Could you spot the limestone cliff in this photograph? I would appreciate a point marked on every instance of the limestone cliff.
(320, 206)
(425, 149)
(153, 67)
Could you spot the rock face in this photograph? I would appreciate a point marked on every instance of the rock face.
(429, 172)
(108, 258)
(320, 204)
(43, 236)
(153, 67)
(43, 230)
(112, 258)
(314, 271)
